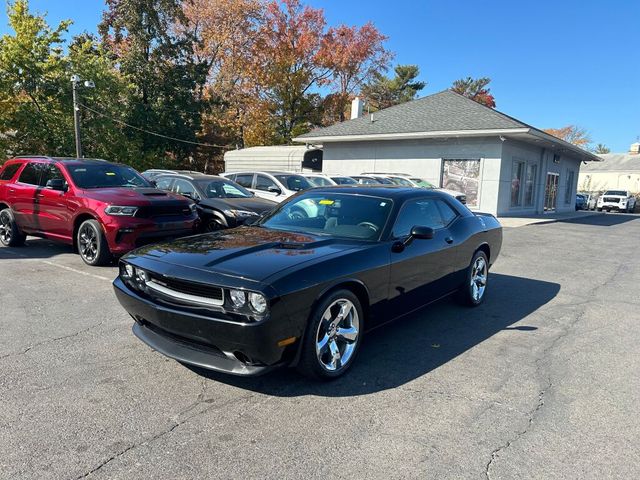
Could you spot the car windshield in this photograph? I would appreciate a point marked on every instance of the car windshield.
(344, 180)
(223, 189)
(319, 181)
(401, 181)
(423, 183)
(336, 215)
(105, 176)
(616, 192)
(294, 182)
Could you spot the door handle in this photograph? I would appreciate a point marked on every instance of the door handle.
(39, 195)
(449, 240)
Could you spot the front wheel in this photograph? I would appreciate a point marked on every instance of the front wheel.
(333, 336)
(10, 234)
(473, 290)
(92, 245)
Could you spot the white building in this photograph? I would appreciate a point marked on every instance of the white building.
(505, 166)
(617, 171)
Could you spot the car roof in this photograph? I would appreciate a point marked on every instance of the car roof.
(71, 160)
(192, 176)
(400, 192)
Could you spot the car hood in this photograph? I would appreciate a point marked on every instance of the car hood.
(132, 196)
(253, 204)
(252, 253)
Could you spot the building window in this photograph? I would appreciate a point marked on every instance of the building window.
(568, 189)
(462, 175)
(517, 174)
(529, 185)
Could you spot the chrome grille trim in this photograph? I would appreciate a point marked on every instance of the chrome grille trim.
(184, 297)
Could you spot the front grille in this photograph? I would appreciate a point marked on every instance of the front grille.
(611, 200)
(153, 211)
(190, 288)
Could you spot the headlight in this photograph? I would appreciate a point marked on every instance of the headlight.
(120, 211)
(239, 213)
(142, 277)
(238, 298)
(258, 302)
(127, 271)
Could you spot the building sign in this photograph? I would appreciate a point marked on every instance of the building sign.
(462, 175)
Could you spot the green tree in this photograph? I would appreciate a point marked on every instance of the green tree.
(383, 92)
(601, 148)
(166, 78)
(475, 89)
(32, 81)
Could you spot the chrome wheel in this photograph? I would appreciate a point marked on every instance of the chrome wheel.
(478, 278)
(88, 243)
(337, 335)
(5, 228)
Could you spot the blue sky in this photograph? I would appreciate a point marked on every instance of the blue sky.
(552, 63)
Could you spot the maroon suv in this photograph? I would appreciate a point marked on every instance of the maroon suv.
(103, 209)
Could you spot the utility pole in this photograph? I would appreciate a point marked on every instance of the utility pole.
(76, 114)
(75, 80)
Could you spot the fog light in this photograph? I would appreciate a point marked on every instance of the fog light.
(258, 302)
(238, 298)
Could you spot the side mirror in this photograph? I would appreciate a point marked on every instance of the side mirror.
(56, 184)
(422, 233)
(275, 190)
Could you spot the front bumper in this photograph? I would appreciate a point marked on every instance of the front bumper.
(205, 341)
(124, 234)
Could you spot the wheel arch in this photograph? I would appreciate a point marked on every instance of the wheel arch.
(486, 249)
(4, 205)
(357, 287)
(76, 226)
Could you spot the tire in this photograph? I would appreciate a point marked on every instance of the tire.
(474, 289)
(599, 209)
(10, 234)
(214, 224)
(92, 245)
(326, 353)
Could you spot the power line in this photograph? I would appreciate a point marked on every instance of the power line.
(153, 133)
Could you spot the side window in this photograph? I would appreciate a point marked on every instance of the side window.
(51, 172)
(244, 179)
(423, 212)
(31, 174)
(231, 177)
(183, 187)
(448, 213)
(263, 183)
(9, 171)
(164, 183)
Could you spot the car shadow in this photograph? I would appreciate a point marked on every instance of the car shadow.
(413, 346)
(41, 248)
(607, 220)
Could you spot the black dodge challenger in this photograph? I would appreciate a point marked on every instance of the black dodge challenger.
(301, 290)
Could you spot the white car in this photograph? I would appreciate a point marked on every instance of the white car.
(319, 180)
(411, 181)
(619, 200)
(275, 186)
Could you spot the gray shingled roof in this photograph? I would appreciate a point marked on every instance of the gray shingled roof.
(614, 162)
(440, 112)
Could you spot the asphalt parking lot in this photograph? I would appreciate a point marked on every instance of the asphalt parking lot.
(539, 382)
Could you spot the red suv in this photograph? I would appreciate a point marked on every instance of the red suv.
(103, 209)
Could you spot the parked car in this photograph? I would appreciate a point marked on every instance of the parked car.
(371, 180)
(221, 202)
(302, 291)
(104, 209)
(342, 180)
(152, 173)
(592, 201)
(618, 200)
(412, 181)
(319, 180)
(581, 202)
(276, 186)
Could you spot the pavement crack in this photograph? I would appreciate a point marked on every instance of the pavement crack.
(51, 340)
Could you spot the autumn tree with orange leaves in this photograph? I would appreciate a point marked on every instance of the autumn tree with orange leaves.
(573, 134)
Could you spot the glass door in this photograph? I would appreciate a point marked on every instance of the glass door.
(551, 192)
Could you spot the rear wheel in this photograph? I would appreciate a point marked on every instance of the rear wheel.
(214, 224)
(10, 234)
(333, 336)
(473, 290)
(92, 245)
